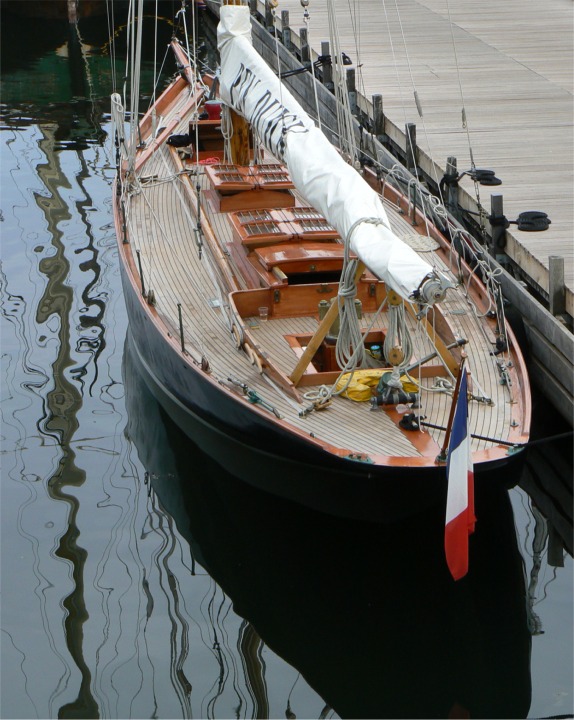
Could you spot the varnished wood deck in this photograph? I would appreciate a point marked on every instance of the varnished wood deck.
(161, 222)
(515, 64)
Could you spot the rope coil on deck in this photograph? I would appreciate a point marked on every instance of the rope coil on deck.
(350, 351)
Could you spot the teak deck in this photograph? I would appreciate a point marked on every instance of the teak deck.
(160, 224)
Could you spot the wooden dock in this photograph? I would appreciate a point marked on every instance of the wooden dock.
(511, 69)
(510, 66)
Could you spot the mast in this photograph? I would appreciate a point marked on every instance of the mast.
(239, 141)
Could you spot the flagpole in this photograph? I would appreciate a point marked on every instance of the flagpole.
(443, 453)
(459, 517)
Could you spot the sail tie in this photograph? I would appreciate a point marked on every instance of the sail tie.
(360, 221)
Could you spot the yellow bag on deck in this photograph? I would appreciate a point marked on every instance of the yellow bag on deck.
(363, 381)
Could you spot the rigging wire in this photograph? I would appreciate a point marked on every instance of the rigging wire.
(273, 5)
(395, 63)
(112, 42)
(416, 97)
(307, 20)
(344, 115)
(354, 15)
(459, 80)
(434, 165)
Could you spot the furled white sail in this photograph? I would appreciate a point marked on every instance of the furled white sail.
(326, 181)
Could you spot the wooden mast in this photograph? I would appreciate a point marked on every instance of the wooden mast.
(239, 142)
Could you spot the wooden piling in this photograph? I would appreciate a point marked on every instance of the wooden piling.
(269, 24)
(378, 117)
(285, 30)
(451, 188)
(556, 288)
(411, 146)
(352, 90)
(327, 66)
(498, 234)
(305, 49)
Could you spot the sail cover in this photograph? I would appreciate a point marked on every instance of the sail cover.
(317, 170)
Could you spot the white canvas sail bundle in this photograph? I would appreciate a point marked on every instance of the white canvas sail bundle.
(320, 174)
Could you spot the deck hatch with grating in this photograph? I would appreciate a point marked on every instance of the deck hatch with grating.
(271, 168)
(261, 228)
(230, 177)
(254, 216)
(314, 225)
(306, 213)
(273, 177)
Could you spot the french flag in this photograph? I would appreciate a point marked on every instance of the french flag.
(460, 520)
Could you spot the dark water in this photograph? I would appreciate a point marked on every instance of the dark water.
(138, 579)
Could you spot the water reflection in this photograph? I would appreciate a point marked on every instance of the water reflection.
(66, 77)
(105, 610)
(63, 402)
(366, 612)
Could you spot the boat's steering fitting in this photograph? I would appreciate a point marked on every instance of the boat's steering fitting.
(433, 288)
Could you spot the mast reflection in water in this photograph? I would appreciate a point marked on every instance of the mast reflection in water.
(366, 612)
(103, 612)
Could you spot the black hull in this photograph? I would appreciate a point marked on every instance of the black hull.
(368, 613)
(251, 446)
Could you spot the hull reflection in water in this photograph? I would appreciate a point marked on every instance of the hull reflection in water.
(368, 613)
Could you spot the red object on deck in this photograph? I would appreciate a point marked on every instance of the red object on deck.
(213, 109)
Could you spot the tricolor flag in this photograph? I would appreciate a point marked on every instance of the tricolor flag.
(459, 523)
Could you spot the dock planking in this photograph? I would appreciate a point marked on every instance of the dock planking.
(509, 65)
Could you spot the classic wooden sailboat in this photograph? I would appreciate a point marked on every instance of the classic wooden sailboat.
(290, 317)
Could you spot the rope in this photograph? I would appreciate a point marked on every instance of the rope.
(118, 124)
(227, 132)
(350, 351)
(398, 334)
